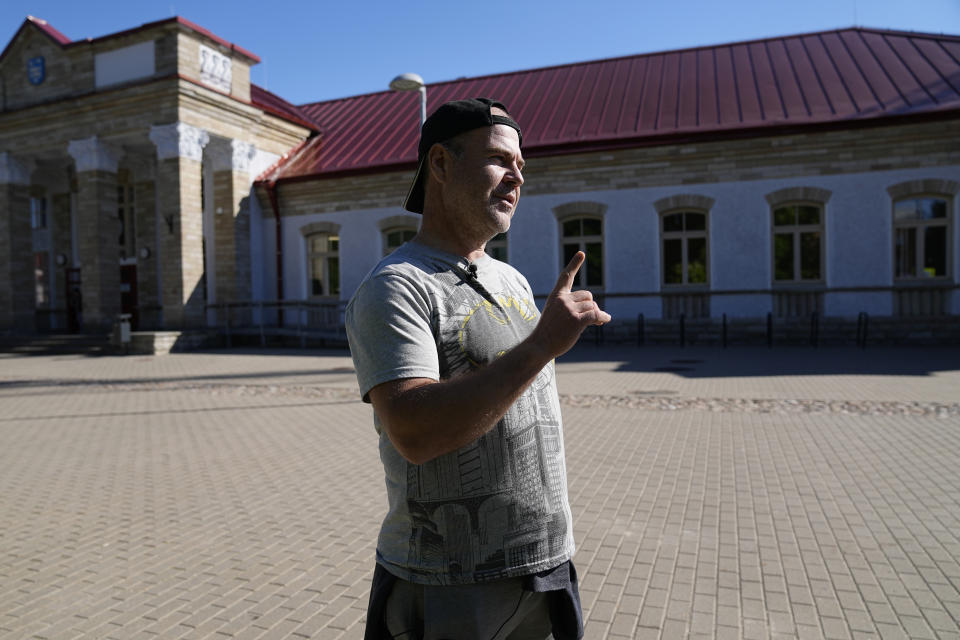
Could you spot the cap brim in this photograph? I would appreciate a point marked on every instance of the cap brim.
(414, 200)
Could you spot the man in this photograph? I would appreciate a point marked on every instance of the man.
(451, 351)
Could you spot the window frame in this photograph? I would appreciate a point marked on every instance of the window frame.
(325, 256)
(39, 213)
(684, 236)
(795, 230)
(582, 240)
(384, 233)
(947, 222)
(499, 241)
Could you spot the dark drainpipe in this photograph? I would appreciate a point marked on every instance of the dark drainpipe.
(272, 194)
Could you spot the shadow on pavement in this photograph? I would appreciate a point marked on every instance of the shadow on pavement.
(741, 361)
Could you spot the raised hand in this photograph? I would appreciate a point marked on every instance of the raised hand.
(567, 313)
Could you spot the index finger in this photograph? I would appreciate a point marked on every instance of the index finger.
(569, 274)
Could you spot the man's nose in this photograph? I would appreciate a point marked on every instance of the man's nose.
(515, 175)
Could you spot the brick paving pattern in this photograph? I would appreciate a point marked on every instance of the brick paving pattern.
(716, 494)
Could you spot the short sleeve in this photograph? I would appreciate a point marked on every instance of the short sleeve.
(389, 328)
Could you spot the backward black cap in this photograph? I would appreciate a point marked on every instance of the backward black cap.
(448, 121)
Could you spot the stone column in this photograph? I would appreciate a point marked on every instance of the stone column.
(16, 246)
(97, 231)
(180, 251)
(231, 192)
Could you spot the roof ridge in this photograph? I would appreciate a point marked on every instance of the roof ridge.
(800, 82)
(49, 29)
(64, 41)
(631, 56)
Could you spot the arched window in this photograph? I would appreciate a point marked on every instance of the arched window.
(921, 237)
(323, 264)
(396, 236)
(395, 230)
(581, 229)
(584, 234)
(497, 247)
(798, 242)
(684, 247)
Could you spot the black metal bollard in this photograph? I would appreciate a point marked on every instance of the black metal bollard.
(814, 329)
(723, 331)
(683, 330)
(863, 322)
(769, 330)
(640, 330)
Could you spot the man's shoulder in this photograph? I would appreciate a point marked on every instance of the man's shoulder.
(405, 263)
(405, 272)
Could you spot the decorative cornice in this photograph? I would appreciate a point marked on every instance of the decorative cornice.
(580, 208)
(15, 170)
(179, 140)
(401, 221)
(91, 154)
(798, 194)
(923, 187)
(319, 227)
(684, 201)
(236, 156)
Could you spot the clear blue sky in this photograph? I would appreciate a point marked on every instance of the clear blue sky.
(326, 49)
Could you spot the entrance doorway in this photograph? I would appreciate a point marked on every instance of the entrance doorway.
(74, 300)
(128, 294)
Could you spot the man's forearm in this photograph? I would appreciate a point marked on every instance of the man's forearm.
(425, 418)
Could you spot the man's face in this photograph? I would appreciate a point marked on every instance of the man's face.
(486, 177)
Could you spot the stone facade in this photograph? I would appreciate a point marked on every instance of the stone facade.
(92, 131)
(16, 276)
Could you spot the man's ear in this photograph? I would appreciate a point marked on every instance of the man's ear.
(439, 161)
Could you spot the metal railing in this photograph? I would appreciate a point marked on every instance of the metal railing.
(304, 320)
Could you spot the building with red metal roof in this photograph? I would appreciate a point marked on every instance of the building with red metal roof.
(788, 178)
(814, 82)
(776, 181)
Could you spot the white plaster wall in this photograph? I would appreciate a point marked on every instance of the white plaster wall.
(361, 248)
(260, 162)
(850, 304)
(256, 249)
(259, 250)
(755, 305)
(740, 237)
(858, 243)
(268, 270)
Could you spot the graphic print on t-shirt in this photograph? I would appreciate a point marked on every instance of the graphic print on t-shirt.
(500, 502)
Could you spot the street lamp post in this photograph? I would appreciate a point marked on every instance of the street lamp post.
(412, 82)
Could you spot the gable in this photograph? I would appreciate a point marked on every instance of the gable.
(35, 68)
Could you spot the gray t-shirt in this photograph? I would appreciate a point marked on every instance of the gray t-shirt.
(498, 507)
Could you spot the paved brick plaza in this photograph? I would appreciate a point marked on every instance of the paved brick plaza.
(785, 493)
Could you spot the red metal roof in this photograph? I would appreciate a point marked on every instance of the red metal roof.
(832, 78)
(272, 103)
(47, 28)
